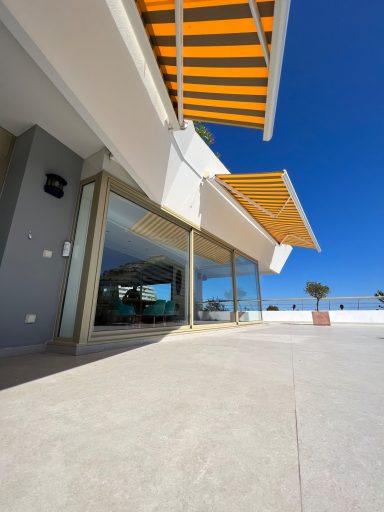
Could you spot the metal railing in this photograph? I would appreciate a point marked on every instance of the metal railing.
(327, 304)
(217, 304)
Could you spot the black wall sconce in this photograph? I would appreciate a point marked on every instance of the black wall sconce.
(55, 185)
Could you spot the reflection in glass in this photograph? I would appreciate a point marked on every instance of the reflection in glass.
(144, 271)
(213, 287)
(247, 285)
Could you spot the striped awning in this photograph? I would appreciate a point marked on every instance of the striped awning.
(272, 201)
(217, 57)
(155, 228)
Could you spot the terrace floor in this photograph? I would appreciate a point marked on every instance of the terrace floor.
(268, 418)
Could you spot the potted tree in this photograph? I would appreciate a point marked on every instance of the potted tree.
(380, 296)
(318, 291)
(212, 309)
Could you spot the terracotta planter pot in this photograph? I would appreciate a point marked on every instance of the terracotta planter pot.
(321, 318)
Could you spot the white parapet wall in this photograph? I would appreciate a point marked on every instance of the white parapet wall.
(357, 317)
(337, 317)
(287, 316)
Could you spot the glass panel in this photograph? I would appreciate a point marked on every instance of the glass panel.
(73, 284)
(144, 270)
(213, 286)
(248, 294)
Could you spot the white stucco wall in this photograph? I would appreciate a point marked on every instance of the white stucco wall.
(287, 316)
(337, 317)
(363, 317)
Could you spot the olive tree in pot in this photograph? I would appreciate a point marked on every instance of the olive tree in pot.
(318, 291)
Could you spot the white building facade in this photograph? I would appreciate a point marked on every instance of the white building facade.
(144, 240)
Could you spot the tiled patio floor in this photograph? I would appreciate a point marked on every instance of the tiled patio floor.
(270, 418)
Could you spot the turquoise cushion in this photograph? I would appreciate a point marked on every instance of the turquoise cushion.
(156, 309)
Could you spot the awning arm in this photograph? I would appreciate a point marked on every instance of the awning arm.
(296, 200)
(280, 21)
(179, 20)
(291, 235)
(259, 29)
(246, 198)
(283, 207)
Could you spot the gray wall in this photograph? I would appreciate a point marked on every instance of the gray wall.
(30, 283)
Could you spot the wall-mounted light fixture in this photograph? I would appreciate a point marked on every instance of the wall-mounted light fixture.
(55, 185)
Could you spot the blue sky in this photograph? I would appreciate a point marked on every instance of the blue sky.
(329, 135)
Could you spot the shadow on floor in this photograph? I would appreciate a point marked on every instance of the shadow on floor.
(16, 370)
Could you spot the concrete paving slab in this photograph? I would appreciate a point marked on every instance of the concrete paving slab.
(219, 421)
(341, 446)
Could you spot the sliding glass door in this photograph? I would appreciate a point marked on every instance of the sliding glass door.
(247, 287)
(213, 284)
(141, 272)
(144, 274)
(144, 270)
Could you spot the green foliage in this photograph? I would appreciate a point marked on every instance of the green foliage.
(380, 295)
(205, 133)
(214, 304)
(317, 290)
(272, 308)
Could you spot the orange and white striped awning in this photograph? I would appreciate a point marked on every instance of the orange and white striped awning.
(272, 201)
(220, 59)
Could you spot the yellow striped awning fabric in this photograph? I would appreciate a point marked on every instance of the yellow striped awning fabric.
(156, 228)
(225, 72)
(272, 201)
